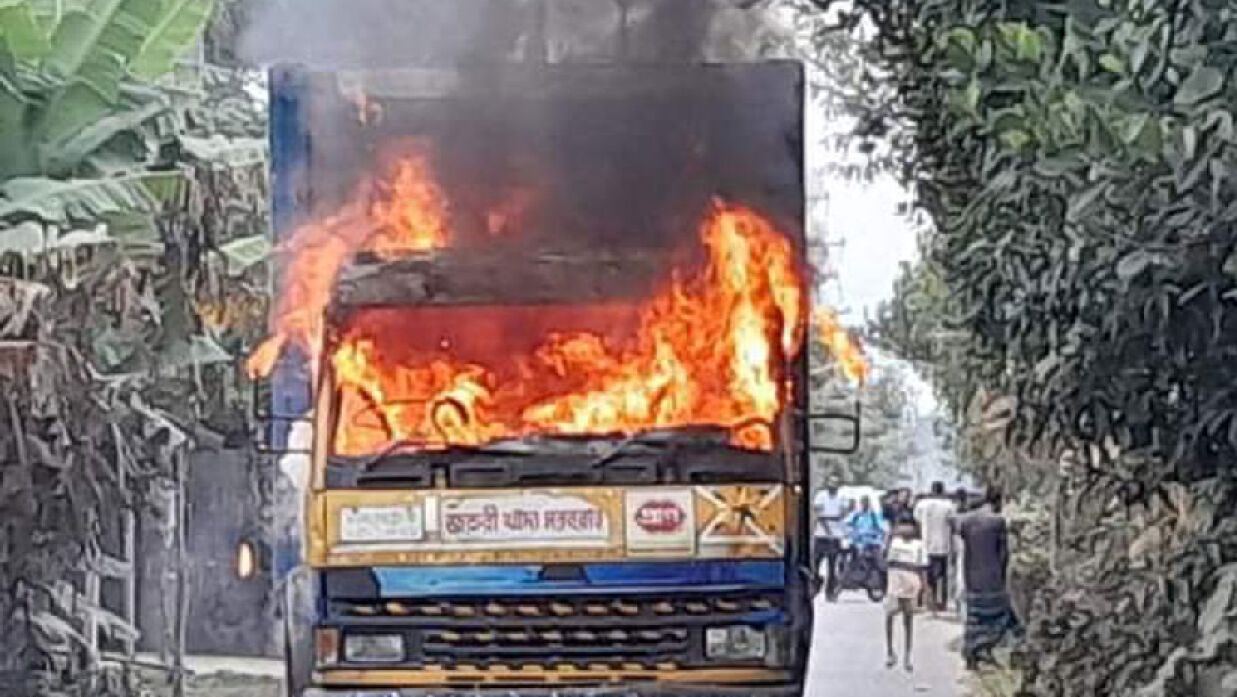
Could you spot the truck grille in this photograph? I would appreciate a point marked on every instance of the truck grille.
(647, 632)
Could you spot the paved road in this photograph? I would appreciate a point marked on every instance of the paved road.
(848, 653)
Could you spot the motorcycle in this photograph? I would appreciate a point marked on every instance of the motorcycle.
(862, 569)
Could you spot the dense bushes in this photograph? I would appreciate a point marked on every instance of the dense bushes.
(1078, 296)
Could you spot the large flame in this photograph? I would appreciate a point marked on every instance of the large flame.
(841, 346)
(711, 347)
(408, 213)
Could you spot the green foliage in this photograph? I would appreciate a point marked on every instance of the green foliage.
(888, 438)
(179, 26)
(129, 280)
(62, 202)
(21, 33)
(66, 78)
(1076, 300)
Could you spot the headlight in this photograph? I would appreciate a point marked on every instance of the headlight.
(374, 648)
(735, 643)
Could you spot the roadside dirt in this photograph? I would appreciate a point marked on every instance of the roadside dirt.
(219, 684)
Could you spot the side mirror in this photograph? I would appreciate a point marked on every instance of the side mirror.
(274, 428)
(833, 432)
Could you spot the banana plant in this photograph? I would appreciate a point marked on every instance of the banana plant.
(75, 98)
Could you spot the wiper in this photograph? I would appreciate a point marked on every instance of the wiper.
(713, 436)
(507, 447)
(710, 436)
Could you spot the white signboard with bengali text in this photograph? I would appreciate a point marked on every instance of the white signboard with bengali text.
(522, 518)
(404, 523)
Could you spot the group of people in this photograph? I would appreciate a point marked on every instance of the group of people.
(924, 541)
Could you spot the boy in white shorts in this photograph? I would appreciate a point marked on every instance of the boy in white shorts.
(907, 563)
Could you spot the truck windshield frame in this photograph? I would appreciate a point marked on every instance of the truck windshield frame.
(690, 454)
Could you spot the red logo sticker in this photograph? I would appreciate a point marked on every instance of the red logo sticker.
(660, 517)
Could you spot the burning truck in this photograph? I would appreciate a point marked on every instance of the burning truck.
(554, 320)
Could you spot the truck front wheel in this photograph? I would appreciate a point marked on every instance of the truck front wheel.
(298, 648)
(296, 661)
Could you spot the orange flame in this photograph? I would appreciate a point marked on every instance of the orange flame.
(712, 349)
(709, 348)
(413, 215)
(508, 211)
(841, 346)
(409, 214)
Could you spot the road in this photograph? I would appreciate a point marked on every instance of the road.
(848, 653)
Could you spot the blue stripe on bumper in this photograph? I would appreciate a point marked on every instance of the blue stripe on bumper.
(485, 580)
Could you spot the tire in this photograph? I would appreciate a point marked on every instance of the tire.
(877, 585)
(292, 683)
(298, 647)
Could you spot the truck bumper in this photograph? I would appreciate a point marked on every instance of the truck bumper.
(606, 691)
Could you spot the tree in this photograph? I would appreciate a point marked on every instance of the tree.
(110, 247)
(1075, 160)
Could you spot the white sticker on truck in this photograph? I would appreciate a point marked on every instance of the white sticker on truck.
(661, 521)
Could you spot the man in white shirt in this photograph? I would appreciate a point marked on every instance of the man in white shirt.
(830, 508)
(933, 514)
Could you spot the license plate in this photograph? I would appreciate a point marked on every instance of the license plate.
(381, 523)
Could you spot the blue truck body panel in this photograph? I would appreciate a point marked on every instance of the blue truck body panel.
(290, 382)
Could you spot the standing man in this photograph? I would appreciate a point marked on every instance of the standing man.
(962, 504)
(933, 513)
(989, 610)
(898, 509)
(831, 509)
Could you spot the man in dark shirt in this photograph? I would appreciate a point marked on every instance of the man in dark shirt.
(989, 612)
(898, 509)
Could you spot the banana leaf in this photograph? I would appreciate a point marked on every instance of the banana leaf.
(244, 252)
(48, 13)
(92, 50)
(70, 109)
(16, 157)
(20, 32)
(95, 43)
(64, 156)
(229, 152)
(24, 238)
(181, 23)
(61, 201)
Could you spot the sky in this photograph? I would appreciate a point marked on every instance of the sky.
(876, 240)
(865, 236)
(864, 218)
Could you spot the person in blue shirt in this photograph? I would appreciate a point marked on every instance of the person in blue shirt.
(866, 526)
(866, 534)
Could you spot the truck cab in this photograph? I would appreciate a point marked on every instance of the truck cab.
(553, 321)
